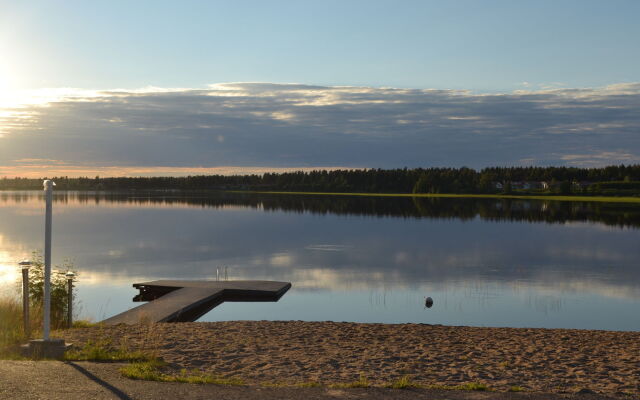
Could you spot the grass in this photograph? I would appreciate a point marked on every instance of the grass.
(311, 384)
(360, 383)
(12, 328)
(152, 371)
(467, 386)
(11, 331)
(473, 386)
(308, 384)
(607, 199)
(516, 389)
(83, 323)
(12, 335)
(403, 383)
(103, 351)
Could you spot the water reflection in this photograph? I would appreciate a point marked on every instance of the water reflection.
(608, 214)
(486, 262)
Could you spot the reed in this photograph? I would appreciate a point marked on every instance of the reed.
(12, 328)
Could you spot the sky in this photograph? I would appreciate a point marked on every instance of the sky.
(174, 88)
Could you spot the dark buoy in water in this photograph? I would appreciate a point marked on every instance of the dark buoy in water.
(428, 302)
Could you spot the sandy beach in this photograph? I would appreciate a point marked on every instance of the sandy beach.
(289, 352)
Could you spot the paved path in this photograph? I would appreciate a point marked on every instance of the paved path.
(45, 380)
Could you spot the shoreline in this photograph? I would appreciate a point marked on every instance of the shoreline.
(296, 352)
(597, 199)
(550, 197)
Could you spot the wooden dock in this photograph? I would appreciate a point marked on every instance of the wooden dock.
(185, 301)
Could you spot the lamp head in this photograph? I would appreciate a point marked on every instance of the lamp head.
(48, 184)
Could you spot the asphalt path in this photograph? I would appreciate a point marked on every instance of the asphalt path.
(86, 380)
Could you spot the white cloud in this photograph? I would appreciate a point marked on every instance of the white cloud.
(283, 125)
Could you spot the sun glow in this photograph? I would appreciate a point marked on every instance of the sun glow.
(8, 79)
(7, 92)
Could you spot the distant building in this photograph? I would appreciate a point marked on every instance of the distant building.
(581, 184)
(526, 185)
(522, 185)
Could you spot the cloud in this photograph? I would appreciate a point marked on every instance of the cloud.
(597, 159)
(265, 125)
(55, 168)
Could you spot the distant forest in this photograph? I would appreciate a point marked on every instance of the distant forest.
(611, 180)
(506, 209)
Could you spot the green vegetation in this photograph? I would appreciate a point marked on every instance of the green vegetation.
(103, 351)
(11, 313)
(10, 326)
(473, 386)
(83, 323)
(467, 386)
(360, 383)
(516, 389)
(404, 382)
(59, 289)
(152, 371)
(618, 180)
(146, 370)
(311, 384)
(308, 384)
(609, 199)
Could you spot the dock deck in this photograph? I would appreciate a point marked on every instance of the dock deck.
(184, 301)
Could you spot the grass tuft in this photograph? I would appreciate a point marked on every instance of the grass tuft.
(83, 323)
(474, 386)
(103, 351)
(466, 386)
(308, 384)
(10, 325)
(404, 382)
(145, 371)
(152, 371)
(274, 384)
(311, 384)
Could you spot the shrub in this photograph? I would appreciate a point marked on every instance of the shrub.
(59, 289)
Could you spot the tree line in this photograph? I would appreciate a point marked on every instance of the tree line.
(615, 180)
(493, 209)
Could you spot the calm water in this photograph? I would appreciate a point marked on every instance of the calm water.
(484, 262)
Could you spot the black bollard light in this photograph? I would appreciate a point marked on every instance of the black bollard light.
(70, 275)
(26, 264)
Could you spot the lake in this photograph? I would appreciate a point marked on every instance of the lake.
(485, 262)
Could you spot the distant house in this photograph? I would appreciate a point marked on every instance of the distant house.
(526, 185)
(521, 185)
(536, 185)
(581, 184)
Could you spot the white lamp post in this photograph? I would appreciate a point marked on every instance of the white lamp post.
(46, 347)
(48, 191)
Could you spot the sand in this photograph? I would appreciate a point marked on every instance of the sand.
(264, 352)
